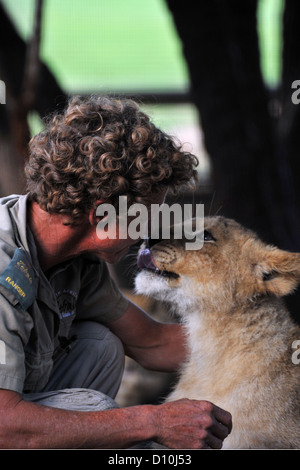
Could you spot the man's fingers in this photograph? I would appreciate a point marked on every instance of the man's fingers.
(223, 417)
(220, 431)
(210, 441)
(213, 442)
(196, 424)
(217, 423)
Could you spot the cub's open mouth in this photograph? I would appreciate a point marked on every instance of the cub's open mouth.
(146, 261)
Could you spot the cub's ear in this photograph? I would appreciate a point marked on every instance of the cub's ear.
(278, 271)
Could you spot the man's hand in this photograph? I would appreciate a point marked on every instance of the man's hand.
(191, 424)
(188, 424)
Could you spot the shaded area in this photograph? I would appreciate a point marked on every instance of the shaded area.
(250, 132)
(30, 86)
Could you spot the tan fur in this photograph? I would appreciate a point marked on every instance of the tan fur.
(239, 332)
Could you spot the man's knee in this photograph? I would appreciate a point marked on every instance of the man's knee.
(103, 356)
(99, 341)
(95, 360)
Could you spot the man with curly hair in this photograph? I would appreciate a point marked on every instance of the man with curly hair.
(64, 323)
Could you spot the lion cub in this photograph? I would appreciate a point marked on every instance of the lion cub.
(239, 333)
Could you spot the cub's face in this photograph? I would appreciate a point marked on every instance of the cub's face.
(233, 265)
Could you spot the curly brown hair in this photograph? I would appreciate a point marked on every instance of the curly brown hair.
(100, 148)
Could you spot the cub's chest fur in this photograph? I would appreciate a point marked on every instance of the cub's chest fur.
(239, 333)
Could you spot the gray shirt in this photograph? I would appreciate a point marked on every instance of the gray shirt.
(35, 309)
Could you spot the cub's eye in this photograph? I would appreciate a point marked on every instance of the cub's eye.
(207, 236)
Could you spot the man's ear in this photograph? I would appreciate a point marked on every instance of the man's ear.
(94, 218)
(278, 271)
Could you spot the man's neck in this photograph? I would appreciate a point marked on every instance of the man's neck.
(55, 241)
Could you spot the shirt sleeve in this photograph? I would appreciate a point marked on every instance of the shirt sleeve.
(100, 299)
(15, 328)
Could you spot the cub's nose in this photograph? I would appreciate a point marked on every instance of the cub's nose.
(146, 260)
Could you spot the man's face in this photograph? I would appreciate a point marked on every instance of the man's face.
(112, 248)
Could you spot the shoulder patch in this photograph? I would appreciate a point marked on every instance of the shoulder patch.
(19, 280)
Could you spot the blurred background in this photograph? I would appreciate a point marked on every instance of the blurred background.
(217, 74)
